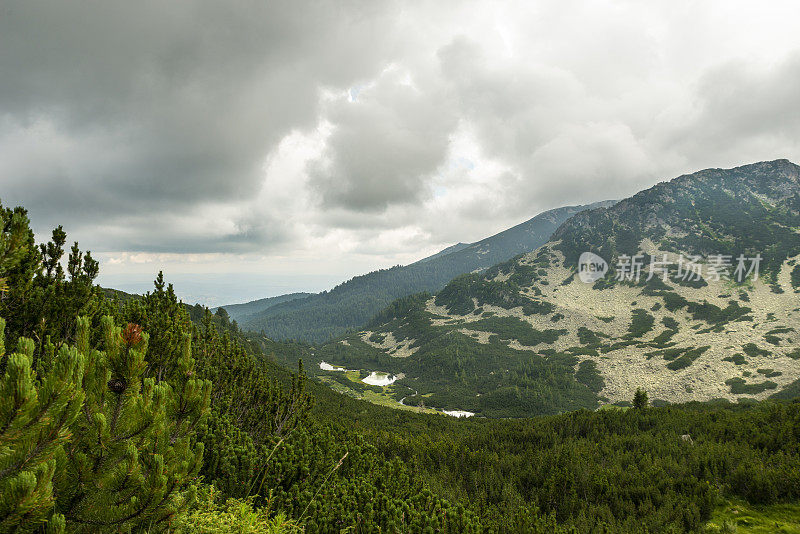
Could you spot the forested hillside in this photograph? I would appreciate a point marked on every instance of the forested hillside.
(530, 337)
(128, 417)
(350, 305)
(151, 416)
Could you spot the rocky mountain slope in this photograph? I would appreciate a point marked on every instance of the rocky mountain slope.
(531, 336)
(351, 304)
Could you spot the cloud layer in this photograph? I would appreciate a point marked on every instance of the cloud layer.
(363, 134)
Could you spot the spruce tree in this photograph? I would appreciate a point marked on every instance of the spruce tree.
(35, 413)
(134, 452)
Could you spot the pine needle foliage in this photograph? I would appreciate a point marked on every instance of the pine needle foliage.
(133, 455)
(35, 415)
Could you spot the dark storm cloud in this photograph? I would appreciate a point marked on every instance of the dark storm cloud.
(126, 108)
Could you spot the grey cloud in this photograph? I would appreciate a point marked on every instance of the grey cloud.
(515, 107)
(384, 148)
(741, 107)
(168, 104)
(562, 145)
(134, 233)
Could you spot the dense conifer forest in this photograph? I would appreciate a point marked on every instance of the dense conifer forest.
(146, 415)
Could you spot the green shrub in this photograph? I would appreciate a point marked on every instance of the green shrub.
(377, 337)
(740, 387)
(796, 277)
(588, 375)
(737, 359)
(664, 337)
(233, 516)
(641, 323)
(670, 323)
(687, 358)
(751, 349)
(588, 337)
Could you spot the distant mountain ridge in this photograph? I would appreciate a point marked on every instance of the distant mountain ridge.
(527, 337)
(237, 311)
(350, 305)
(518, 239)
(444, 252)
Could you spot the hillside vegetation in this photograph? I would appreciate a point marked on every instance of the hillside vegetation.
(151, 416)
(528, 337)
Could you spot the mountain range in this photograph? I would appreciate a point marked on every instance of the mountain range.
(319, 317)
(719, 318)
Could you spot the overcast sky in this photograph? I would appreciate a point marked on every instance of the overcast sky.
(254, 148)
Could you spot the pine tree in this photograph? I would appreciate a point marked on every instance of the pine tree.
(40, 299)
(640, 399)
(19, 262)
(134, 454)
(34, 418)
(273, 407)
(166, 321)
(14, 234)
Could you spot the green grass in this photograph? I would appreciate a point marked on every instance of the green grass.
(386, 400)
(234, 516)
(380, 395)
(614, 407)
(746, 518)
